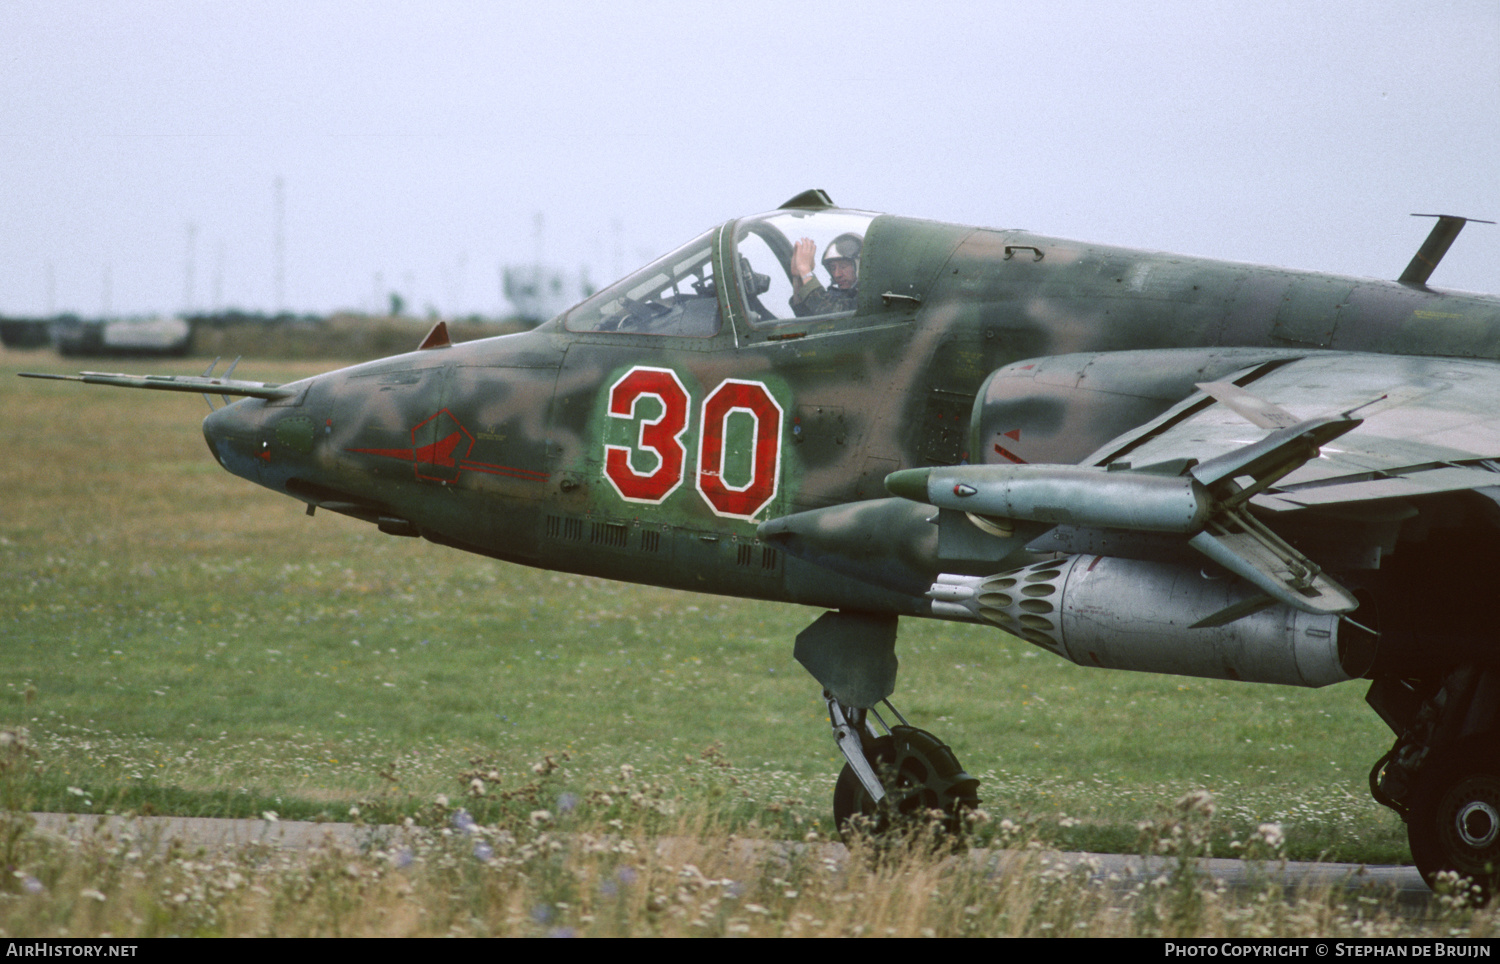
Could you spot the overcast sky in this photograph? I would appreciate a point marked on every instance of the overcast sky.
(417, 142)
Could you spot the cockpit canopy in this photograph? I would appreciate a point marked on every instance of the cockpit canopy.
(678, 294)
(764, 247)
(673, 295)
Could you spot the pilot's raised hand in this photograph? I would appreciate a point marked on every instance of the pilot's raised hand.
(804, 253)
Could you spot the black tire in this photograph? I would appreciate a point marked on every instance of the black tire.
(851, 800)
(920, 775)
(1454, 821)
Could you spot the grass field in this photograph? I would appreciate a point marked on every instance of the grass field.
(179, 641)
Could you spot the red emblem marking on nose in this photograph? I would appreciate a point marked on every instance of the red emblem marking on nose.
(445, 454)
(439, 453)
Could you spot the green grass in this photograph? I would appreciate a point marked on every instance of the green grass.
(176, 640)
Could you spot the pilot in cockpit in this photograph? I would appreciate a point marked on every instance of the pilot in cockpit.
(841, 261)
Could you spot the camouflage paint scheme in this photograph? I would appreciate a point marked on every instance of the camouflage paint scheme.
(745, 454)
(893, 387)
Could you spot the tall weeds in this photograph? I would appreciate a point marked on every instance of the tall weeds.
(625, 859)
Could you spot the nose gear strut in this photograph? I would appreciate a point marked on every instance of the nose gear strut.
(906, 779)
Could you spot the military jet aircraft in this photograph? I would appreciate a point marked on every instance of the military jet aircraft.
(1132, 460)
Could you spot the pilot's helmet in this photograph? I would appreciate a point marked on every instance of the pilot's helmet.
(846, 247)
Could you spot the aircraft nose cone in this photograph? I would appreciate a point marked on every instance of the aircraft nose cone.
(236, 436)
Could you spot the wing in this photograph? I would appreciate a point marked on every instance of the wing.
(1426, 426)
(1279, 473)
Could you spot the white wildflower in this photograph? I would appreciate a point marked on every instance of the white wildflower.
(1271, 834)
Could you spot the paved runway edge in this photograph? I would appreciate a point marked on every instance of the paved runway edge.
(1402, 882)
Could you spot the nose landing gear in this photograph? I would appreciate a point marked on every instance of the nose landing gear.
(903, 781)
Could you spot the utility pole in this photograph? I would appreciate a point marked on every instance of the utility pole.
(187, 269)
(279, 267)
(218, 302)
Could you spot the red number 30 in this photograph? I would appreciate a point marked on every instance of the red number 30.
(661, 436)
(661, 439)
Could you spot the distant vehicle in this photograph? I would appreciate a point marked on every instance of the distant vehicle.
(24, 333)
(1132, 460)
(125, 336)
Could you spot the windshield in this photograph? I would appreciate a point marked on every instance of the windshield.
(673, 295)
(797, 264)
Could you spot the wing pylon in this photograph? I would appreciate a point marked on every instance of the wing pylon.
(1206, 502)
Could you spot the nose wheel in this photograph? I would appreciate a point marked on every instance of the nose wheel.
(918, 783)
(1454, 822)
